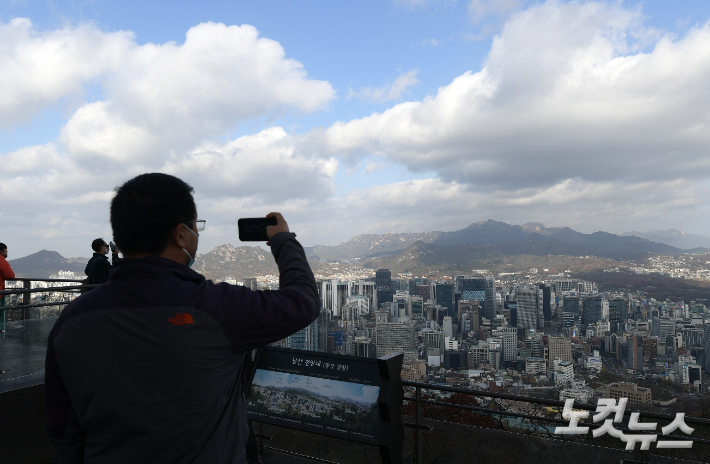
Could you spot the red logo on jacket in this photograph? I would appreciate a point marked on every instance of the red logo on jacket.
(181, 319)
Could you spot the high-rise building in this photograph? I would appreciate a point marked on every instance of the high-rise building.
(383, 278)
(482, 289)
(563, 285)
(394, 337)
(383, 284)
(593, 309)
(434, 339)
(424, 291)
(572, 304)
(529, 307)
(323, 321)
(366, 289)
(510, 344)
(473, 289)
(512, 306)
(617, 313)
(448, 327)
(634, 352)
(334, 295)
(445, 297)
(662, 327)
(306, 338)
(546, 301)
(417, 305)
(478, 354)
(559, 348)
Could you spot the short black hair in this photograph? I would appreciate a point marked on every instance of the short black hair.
(3, 247)
(97, 244)
(146, 209)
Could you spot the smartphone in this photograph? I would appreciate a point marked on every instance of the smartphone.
(254, 229)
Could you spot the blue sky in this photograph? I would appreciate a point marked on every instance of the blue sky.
(355, 117)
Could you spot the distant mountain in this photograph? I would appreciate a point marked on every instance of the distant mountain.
(673, 237)
(421, 257)
(480, 245)
(240, 262)
(45, 263)
(369, 244)
(491, 232)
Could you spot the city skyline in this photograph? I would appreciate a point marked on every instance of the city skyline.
(401, 116)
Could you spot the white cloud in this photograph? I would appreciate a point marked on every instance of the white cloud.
(40, 68)
(431, 42)
(388, 93)
(580, 117)
(168, 98)
(265, 166)
(479, 10)
(432, 204)
(564, 93)
(165, 107)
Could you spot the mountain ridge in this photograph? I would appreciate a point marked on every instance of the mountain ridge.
(483, 244)
(673, 237)
(492, 232)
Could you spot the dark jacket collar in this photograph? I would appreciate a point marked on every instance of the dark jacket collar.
(154, 266)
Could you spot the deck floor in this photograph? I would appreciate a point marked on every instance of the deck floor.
(23, 363)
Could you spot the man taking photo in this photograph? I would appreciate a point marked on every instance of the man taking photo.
(150, 366)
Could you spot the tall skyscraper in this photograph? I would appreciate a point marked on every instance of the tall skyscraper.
(366, 289)
(417, 305)
(617, 313)
(306, 338)
(445, 298)
(424, 291)
(434, 339)
(383, 278)
(482, 289)
(448, 327)
(384, 295)
(572, 305)
(529, 307)
(706, 342)
(510, 344)
(392, 337)
(546, 300)
(593, 309)
(334, 295)
(559, 348)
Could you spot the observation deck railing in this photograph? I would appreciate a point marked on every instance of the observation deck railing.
(29, 315)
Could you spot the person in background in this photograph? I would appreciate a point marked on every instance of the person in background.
(98, 266)
(5, 273)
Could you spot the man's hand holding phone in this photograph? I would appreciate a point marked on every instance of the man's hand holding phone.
(281, 226)
(261, 229)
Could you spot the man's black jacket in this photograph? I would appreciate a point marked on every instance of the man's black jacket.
(149, 367)
(98, 268)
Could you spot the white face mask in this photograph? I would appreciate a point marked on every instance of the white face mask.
(192, 258)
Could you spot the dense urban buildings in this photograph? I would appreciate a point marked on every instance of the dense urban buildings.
(514, 333)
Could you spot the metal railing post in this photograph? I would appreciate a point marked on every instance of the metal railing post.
(26, 300)
(418, 423)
